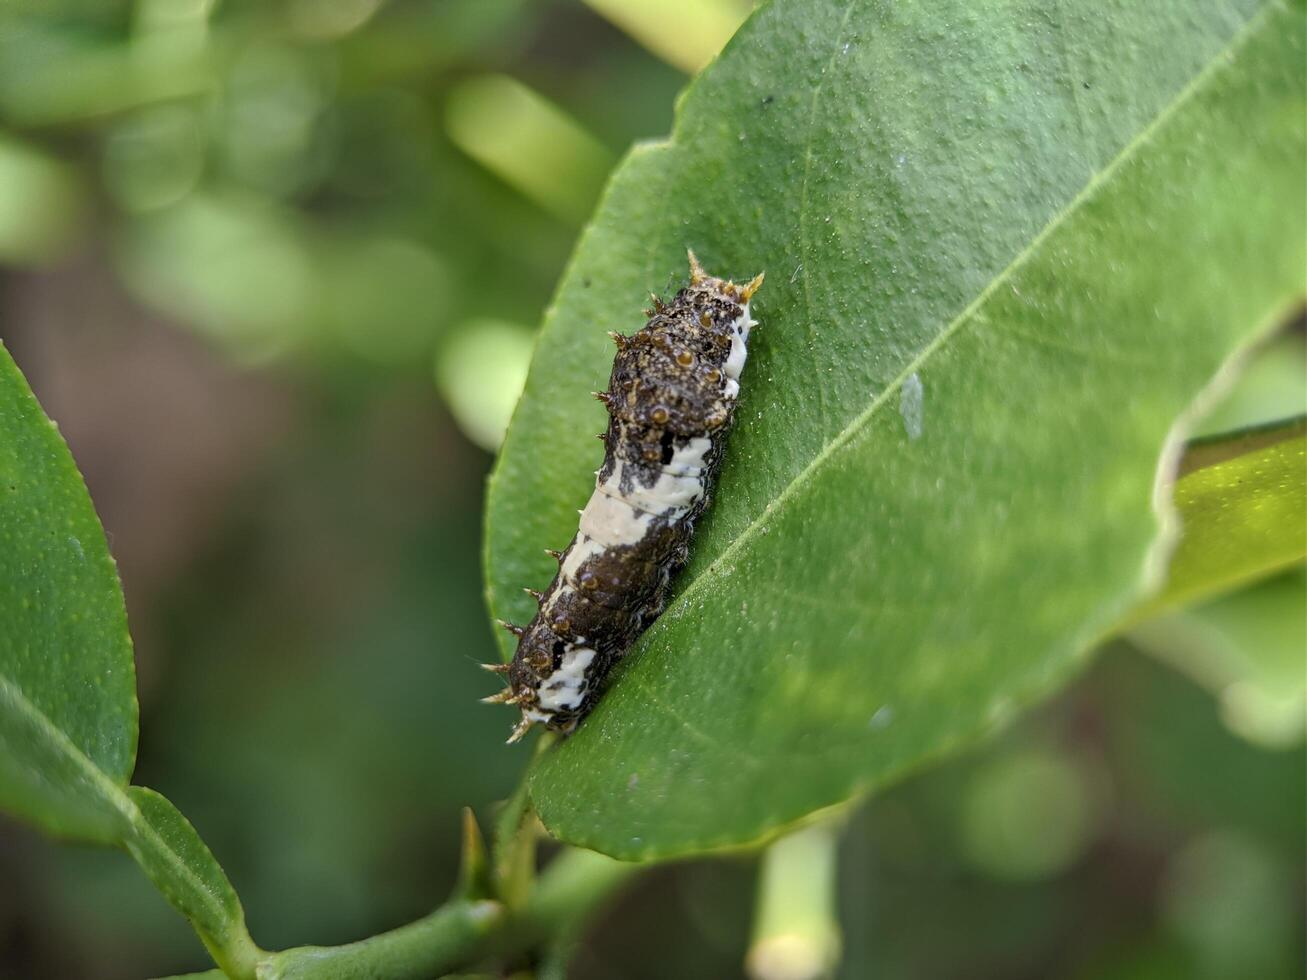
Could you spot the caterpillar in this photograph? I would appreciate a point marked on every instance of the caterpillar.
(670, 401)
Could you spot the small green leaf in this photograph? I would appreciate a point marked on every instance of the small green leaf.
(1006, 246)
(67, 681)
(67, 684)
(1220, 447)
(1241, 505)
(171, 854)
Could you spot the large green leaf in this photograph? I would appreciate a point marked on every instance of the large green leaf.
(67, 681)
(67, 684)
(1006, 246)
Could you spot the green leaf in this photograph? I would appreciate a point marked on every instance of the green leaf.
(171, 854)
(1240, 500)
(67, 682)
(1221, 447)
(1006, 246)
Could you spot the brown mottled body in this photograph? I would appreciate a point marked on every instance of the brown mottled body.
(671, 401)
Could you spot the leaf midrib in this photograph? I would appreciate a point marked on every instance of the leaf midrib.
(109, 790)
(854, 427)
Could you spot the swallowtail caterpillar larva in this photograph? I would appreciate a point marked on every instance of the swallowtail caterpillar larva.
(671, 401)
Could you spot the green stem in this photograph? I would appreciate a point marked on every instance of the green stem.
(515, 840)
(467, 929)
(422, 949)
(796, 932)
(571, 888)
(557, 925)
(462, 932)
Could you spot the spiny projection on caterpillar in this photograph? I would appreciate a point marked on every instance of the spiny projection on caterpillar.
(670, 401)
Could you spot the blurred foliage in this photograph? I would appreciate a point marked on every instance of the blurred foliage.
(1162, 777)
(300, 544)
(480, 371)
(338, 180)
(1248, 648)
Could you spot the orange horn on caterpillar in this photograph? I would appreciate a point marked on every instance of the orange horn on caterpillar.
(697, 275)
(751, 287)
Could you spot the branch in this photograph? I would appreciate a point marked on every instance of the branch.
(462, 932)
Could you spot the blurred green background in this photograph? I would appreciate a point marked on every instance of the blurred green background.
(275, 267)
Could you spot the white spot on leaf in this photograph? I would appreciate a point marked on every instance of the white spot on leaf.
(911, 406)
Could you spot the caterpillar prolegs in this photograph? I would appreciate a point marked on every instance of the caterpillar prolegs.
(671, 401)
